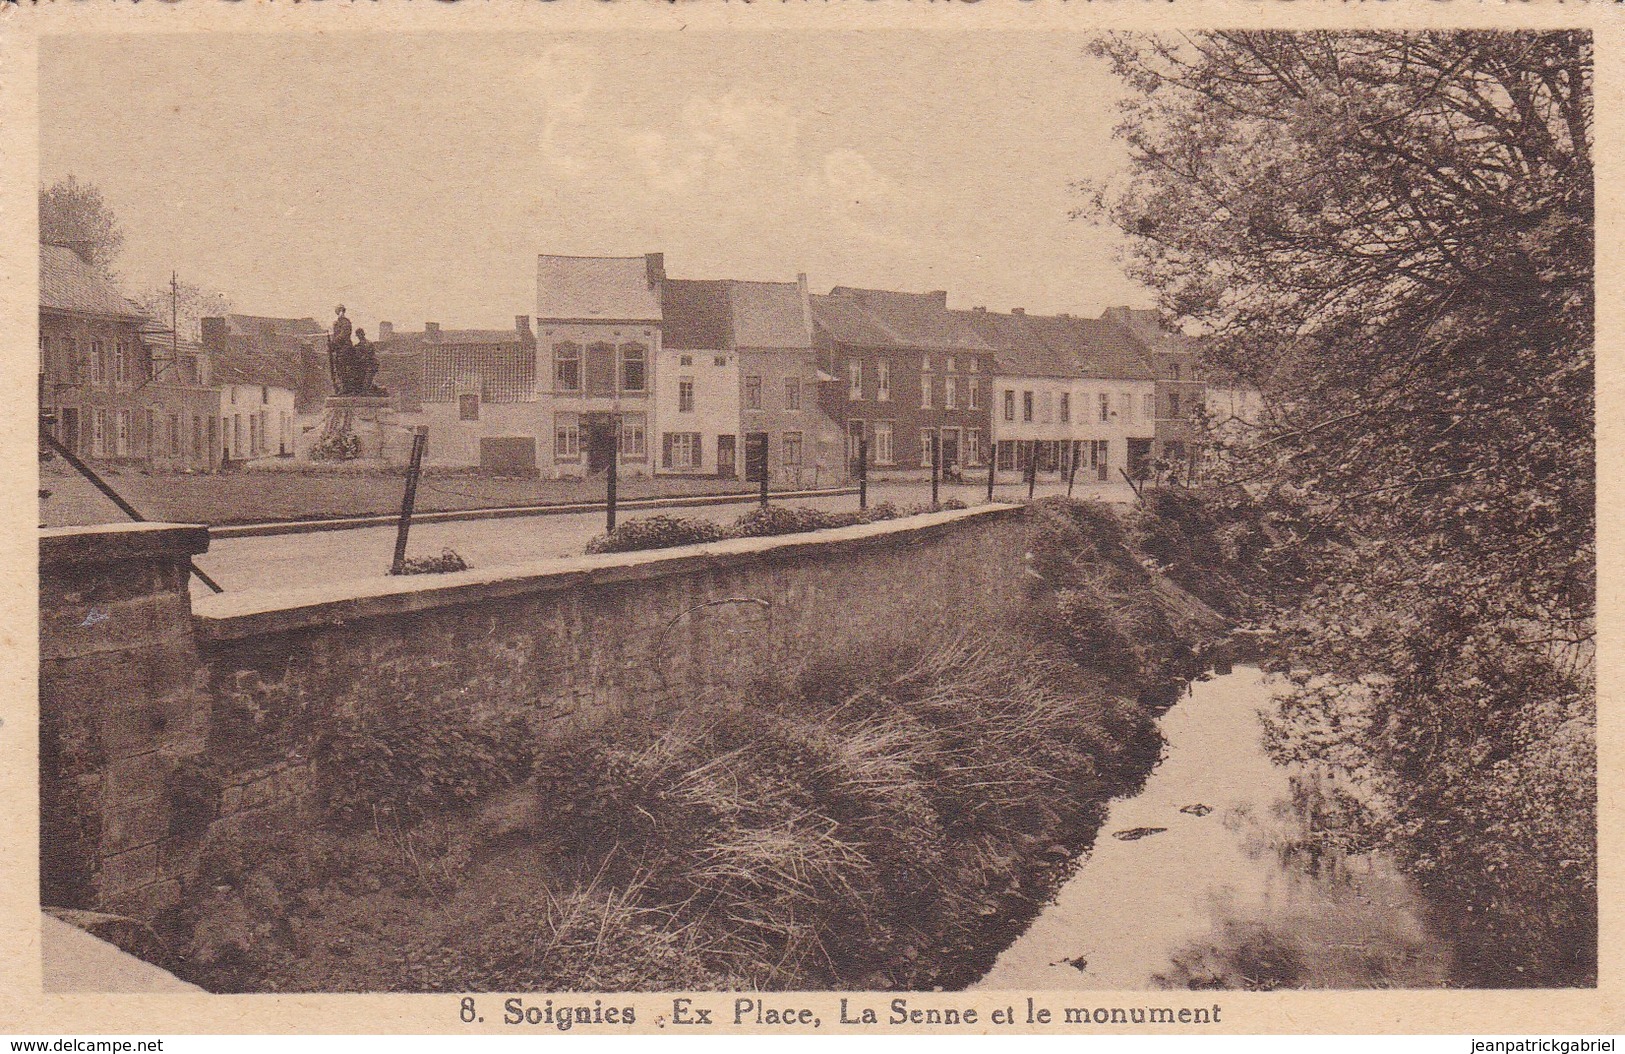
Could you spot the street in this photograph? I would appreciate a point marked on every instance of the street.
(292, 560)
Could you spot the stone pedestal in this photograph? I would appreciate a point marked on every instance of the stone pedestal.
(353, 427)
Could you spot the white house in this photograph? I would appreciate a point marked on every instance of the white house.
(598, 341)
(697, 387)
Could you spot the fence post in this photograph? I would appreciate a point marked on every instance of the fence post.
(936, 465)
(863, 474)
(764, 480)
(610, 486)
(1072, 465)
(420, 439)
(1032, 467)
(992, 467)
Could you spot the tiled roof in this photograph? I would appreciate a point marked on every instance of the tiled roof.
(769, 315)
(1061, 346)
(592, 287)
(694, 315)
(67, 283)
(878, 317)
(478, 336)
(258, 325)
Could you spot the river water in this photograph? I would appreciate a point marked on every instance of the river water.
(1232, 892)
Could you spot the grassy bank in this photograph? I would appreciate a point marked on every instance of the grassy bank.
(886, 815)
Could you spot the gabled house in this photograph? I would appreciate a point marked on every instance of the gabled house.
(903, 369)
(598, 335)
(100, 390)
(696, 382)
(1068, 386)
(297, 347)
(779, 396)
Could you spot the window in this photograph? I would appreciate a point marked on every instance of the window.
(1066, 407)
(98, 366)
(925, 364)
(792, 450)
(152, 433)
(925, 447)
(854, 440)
(253, 435)
(1173, 370)
(1027, 406)
(121, 433)
(1173, 405)
(681, 450)
(237, 435)
(265, 431)
(1046, 407)
(973, 446)
(174, 434)
(633, 444)
(1007, 455)
(567, 367)
(975, 387)
(925, 391)
(1105, 406)
(566, 437)
(75, 370)
(685, 395)
(1009, 405)
(197, 437)
(719, 360)
(885, 453)
(633, 359)
(753, 393)
(883, 381)
(121, 364)
(948, 364)
(98, 432)
(792, 393)
(1148, 409)
(854, 378)
(950, 392)
(685, 360)
(468, 407)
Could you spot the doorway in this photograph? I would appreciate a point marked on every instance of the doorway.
(727, 457)
(602, 441)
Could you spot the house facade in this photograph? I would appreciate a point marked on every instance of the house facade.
(779, 384)
(598, 333)
(903, 369)
(695, 410)
(1181, 392)
(1068, 387)
(295, 348)
(98, 386)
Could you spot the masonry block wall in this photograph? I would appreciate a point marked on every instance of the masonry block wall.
(556, 645)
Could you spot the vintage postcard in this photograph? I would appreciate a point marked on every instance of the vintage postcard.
(739, 518)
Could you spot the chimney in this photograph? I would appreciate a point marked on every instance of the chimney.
(521, 323)
(979, 310)
(386, 331)
(806, 306)
(940, 296)
(213, 333)
(654, 265)
(1066, 314)
(1018, 311)
(431, 330)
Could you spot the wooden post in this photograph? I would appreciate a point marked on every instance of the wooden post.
(420, 439)
(1032, 468)
(863, 473)
(992, 467)
(113, 496)
(610, 481)
(764, 479)
(936, 465)
(1072, 465)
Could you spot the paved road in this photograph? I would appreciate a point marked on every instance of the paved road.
(288, 561)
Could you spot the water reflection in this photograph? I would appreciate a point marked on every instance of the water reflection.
(1220, 877)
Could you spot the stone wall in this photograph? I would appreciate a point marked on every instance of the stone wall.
(250, 678)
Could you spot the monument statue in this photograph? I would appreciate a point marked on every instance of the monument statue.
(352, 366)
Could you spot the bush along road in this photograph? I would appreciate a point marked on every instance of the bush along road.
(887, 823)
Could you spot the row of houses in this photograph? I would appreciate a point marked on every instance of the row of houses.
(622, 363)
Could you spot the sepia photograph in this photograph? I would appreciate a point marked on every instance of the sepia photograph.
(547, 515)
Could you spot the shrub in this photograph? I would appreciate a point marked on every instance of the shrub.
(446, 562)
(657, 532)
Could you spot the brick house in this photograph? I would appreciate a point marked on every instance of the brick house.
(106, 397)
(779, 394)
(598, 337)
(1181, 390)
(903, 368)
(1068, 384)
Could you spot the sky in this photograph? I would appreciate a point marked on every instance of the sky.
(415, 177)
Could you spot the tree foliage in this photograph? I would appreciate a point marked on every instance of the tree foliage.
(1391, 235)
(73, 213)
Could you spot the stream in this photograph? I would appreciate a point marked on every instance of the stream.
(1210, 878)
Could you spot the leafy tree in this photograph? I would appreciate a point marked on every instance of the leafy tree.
(73, 213)
(1391, 235)
(191, 304)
